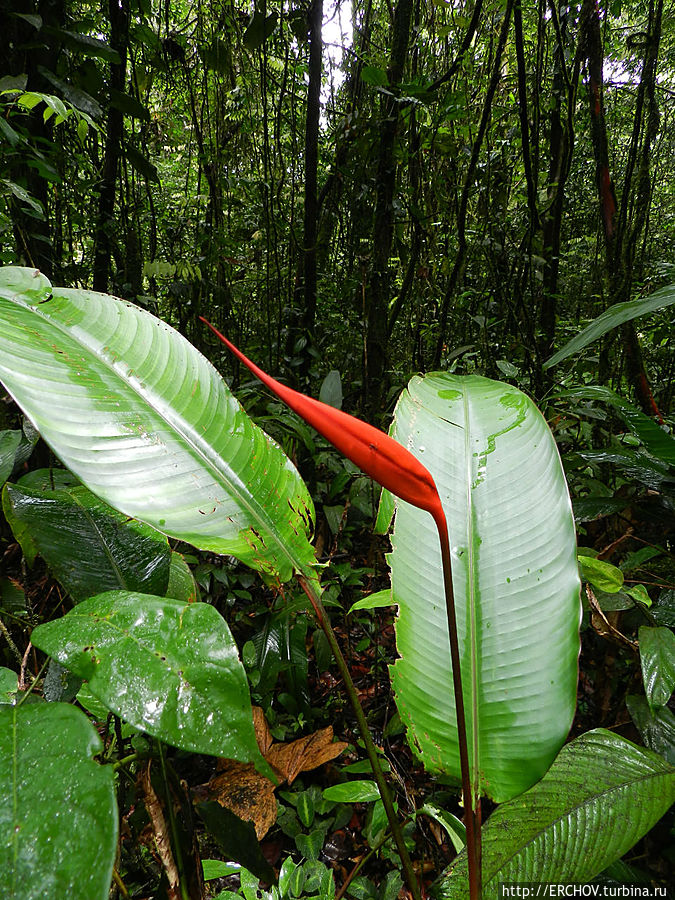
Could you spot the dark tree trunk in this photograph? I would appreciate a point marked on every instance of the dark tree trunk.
(378, 288)
(105, 219)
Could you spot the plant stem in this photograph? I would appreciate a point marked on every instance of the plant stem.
(473, 842)
(396, 832)
(178, 855)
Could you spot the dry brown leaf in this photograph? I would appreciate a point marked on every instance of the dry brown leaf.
(161, 833)
(304, 754)
(262, 731)
(245, 792)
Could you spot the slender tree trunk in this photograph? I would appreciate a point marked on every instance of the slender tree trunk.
(621, 232)
(378, 288)
(105, 220)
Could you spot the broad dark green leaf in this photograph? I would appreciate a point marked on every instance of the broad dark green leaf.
(182, 585)
(142, 164)
(236, 838)
(76, 96)
(600, 796)
(656, 726)
(9, 444)
(641, 466)
(259, 29)
(129, 105)
(168, 667)
(611, 318)
(587, 509)
(657, 656)
(58, 817)
(89, 546)
(83, 43)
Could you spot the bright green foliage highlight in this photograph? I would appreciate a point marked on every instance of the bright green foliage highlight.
(51, 846)
(516, 584)
(169, 668)
(148, 424)
(90, 547)
(9, 444)
(601, 795)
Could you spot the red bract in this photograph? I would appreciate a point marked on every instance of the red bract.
(373, 451)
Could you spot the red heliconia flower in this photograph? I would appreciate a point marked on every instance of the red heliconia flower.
(373, 451)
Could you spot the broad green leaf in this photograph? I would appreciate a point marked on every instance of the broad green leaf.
(601, 795)
(58, 817)
(656, 726)
(90, 547)
(331, 389)
(378, 600)
(8, 685)
(237, 838)
(639, 592)
(657, 657)
(658, 442)
(148, 424)
(352, 792)
(640, 466)
(168, 667)
(9, 444)
(259, 29)
(586, 509)
(182, 585)
(516, 583)
(611, 318)
(602, 575)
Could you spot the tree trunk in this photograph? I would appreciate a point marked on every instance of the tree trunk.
(105, 219)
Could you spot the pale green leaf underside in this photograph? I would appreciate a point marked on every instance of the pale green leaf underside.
(499, 477)
(58, 817)
(601, 795)
(148, 424)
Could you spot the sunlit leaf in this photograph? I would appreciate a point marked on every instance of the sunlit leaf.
(657, 656)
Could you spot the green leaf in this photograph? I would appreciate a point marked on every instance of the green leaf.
(602, 575)
(587, 509)
(310, 844)
(236, 838)
(9, 444)
(657, 441)
(167, 667)
(452, 826)
(142, 164)
(83, 43)
(611, 318)
(640, 466)
(149, 425)
(601, 795)
(639, 592)
(129, 105)
(516, 583)
(58, 818)
(9, 682)
(216, 868)
(305, 808)
(657, 657)
(352, 792)
(90, 547)
(378, 600)
(373, 75)
(9, 134)
(182, 585)
(19, 530)
(259, 29)
(331, 389)
(656, 726)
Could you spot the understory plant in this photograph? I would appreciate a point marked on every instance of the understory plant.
(156, 445)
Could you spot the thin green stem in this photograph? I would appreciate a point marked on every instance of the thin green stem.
(471, 804)
(315, 599)
(33, 683)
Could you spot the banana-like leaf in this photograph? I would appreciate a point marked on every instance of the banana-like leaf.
(516, 584)
(616, 315)
(598, 799)
(148, 424)
(90, 547)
